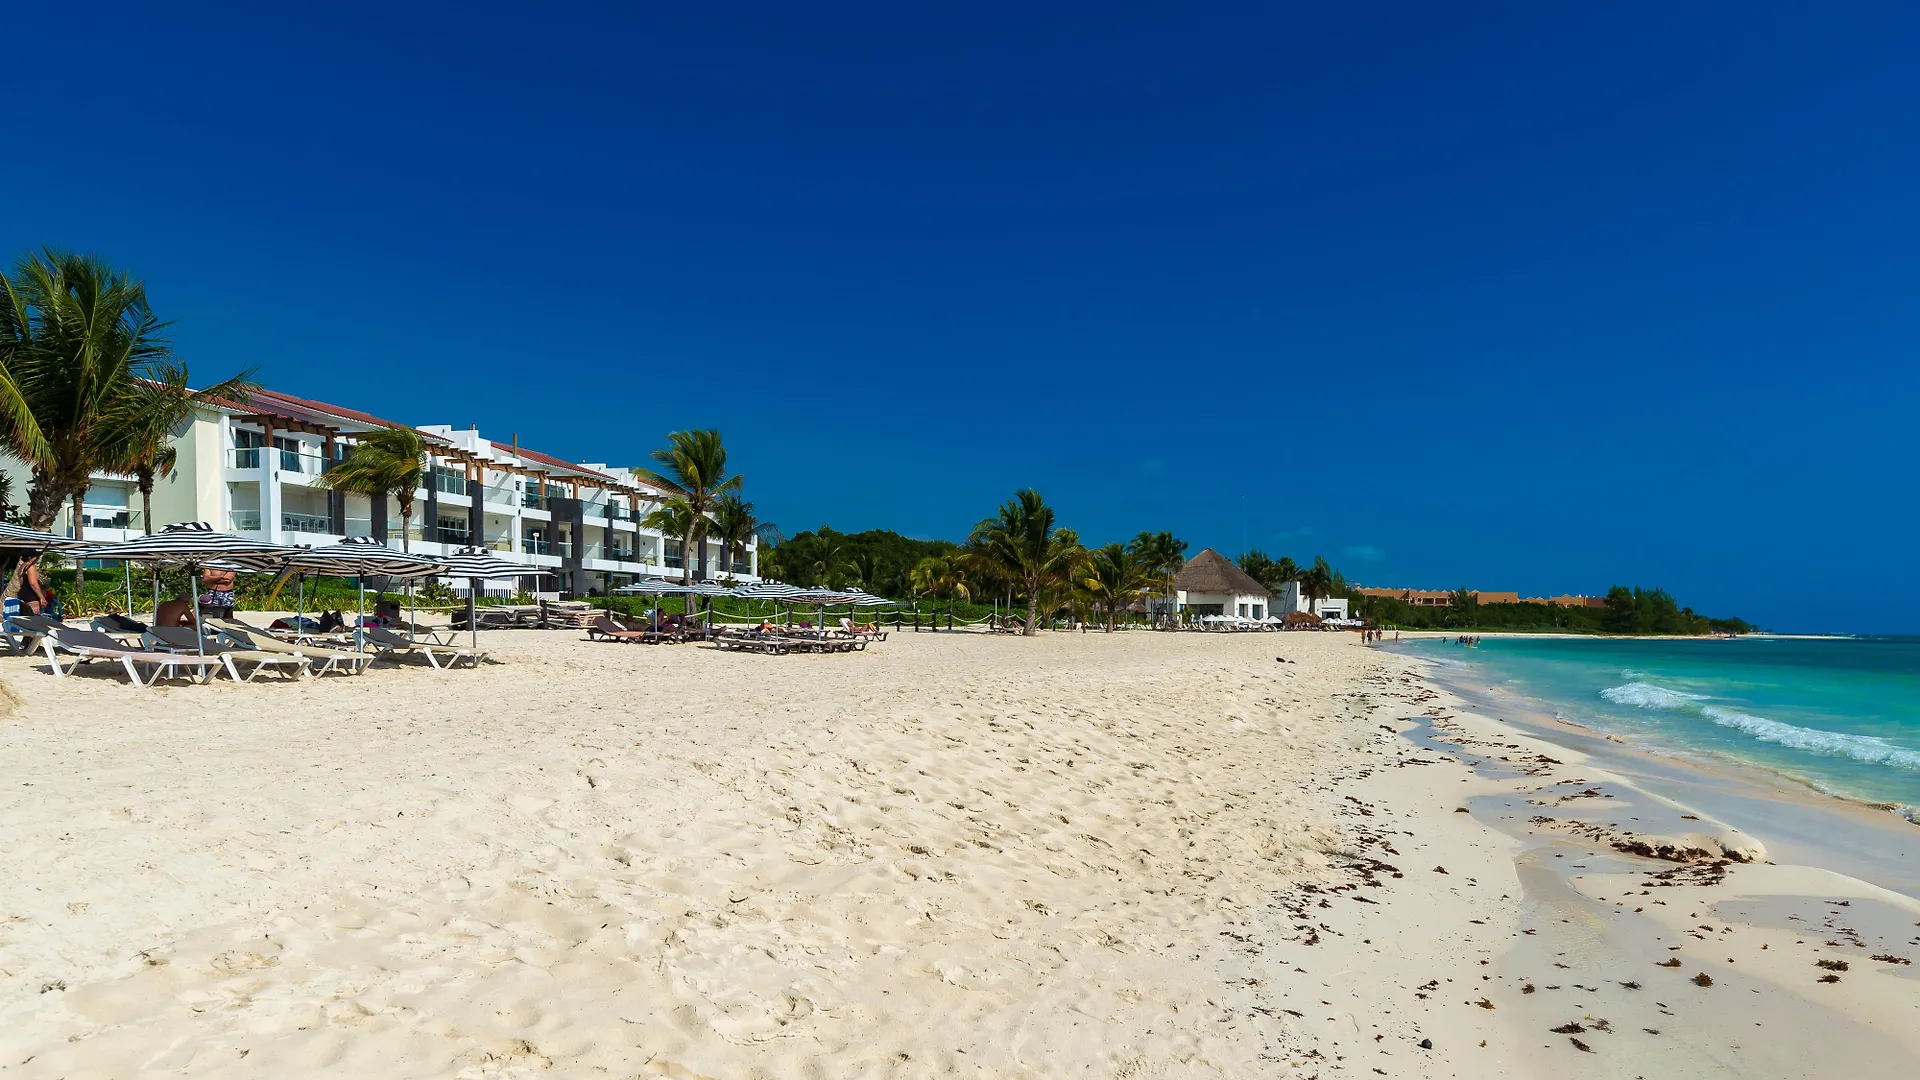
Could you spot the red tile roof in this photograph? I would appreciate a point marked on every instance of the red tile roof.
(274, 403)
(550, 460)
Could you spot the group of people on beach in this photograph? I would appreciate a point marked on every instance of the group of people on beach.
(1471, 641)
(1375, 637)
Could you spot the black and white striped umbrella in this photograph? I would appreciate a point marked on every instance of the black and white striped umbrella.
(767, 590)
(478, 563)
(195, 543)
(860, 598)
(363, 556)
(20, 538)
(659, 587)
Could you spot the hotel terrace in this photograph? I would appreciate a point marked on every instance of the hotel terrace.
(250, 469)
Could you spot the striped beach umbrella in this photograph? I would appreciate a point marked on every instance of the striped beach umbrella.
(478, 564)
(194, 544)
(21, 538)
(362, 557)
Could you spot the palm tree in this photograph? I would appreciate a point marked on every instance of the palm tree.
(938, 577)
(86, 375)
(147, 451)
(1163, 555)
(387, 462)
(695, 465)
(156, 465)
(1113, 577)
(1024, 546)
(1317, 582)
(733, 526)
(673, 517)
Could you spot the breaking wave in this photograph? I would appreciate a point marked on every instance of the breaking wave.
(1867, 748)
(1648, 696)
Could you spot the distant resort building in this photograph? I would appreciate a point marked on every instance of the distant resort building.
(1327, 607)
(1444, 598)
(1210, 584)
(251, 469)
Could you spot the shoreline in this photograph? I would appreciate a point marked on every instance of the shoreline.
(1707, 765)
(1578, 804)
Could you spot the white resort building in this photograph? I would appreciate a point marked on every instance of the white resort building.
(1327, 607)
(250, 469)
(1210, 584)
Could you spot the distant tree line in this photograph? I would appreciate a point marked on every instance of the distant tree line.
(1628, 610)
(1020, 559)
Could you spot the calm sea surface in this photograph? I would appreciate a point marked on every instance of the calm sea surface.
(1842, 714)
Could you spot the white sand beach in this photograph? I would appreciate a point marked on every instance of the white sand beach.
(1136, 855)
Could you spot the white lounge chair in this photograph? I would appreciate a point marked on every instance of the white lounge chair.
(87, 645)
(184, 639)
(388, 643)
(324, 659)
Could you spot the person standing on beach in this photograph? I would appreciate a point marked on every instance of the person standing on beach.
(217, 601)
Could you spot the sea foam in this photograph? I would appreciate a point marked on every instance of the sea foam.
(1648, 696)
(1867, 748)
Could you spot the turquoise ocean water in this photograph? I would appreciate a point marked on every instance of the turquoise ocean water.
(1842, 714)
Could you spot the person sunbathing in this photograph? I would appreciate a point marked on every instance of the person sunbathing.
(175, 612)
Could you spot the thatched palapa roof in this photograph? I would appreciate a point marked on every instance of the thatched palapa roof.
(1211, 572)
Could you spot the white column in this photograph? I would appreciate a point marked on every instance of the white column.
(270, 491)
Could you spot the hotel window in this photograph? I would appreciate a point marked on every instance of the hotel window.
(246, 448)
(1243, 611)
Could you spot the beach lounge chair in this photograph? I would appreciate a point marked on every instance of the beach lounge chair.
(87, 645)
(740, 640)
(872, 631)
(184, 639)
(323, 659)
(388, 643)
(605, 629)
(23, 632)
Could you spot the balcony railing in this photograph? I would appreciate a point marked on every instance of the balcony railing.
(359, 526)
(395, 532)
(672, 562)
(455, 535)
(244, 457)
(535, 545)
(306, 523)
(301, 461)
(449, 483)
(533, 500)
(109, 517)
(244, 520)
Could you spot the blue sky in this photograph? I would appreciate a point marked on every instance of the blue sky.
(1507, 295)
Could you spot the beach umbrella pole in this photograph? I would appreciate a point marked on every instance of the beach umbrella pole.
(128, 567)
(199, 632)
(473, 621)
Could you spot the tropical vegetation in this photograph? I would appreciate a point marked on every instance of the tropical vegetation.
(693, 472)
(88, 381)
(390, 462)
